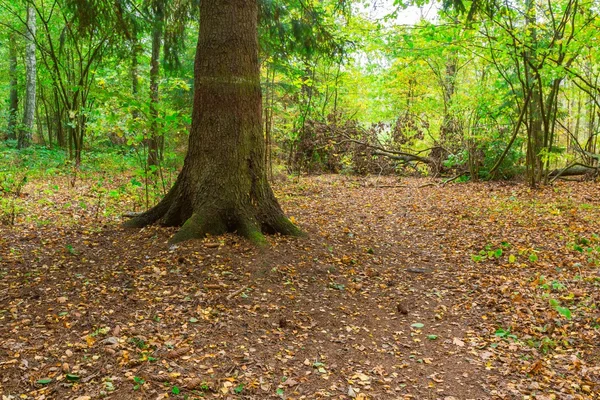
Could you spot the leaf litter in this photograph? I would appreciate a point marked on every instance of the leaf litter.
(412, 291)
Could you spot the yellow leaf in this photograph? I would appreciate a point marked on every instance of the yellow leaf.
(90, 340)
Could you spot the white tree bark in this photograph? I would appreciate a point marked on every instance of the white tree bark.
(26, 131)
(14, 95)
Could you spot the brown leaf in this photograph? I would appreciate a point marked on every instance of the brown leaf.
(177, 352)
(536, 367)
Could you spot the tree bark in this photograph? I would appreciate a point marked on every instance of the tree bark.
(26, 131)
(574, 170)
(223, 185)
(155, 141)
(14, 95)
(135, 50)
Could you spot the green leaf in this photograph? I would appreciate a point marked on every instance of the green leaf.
(417, 325)
(512, 258)
(73, 377)
(239, 388)
(175, 390)
(432, 337)
(564, 311)
(476, 258)
(193, 320)
(44, 381)
(280, 391)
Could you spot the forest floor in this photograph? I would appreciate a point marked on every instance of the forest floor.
(402, 289)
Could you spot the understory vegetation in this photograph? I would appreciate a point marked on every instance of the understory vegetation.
(504, 91)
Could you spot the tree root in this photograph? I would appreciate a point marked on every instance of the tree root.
(197, 226)
(203, 222)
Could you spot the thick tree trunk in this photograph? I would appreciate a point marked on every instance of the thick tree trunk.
(13, 106)
(26, 132)
(223, 184)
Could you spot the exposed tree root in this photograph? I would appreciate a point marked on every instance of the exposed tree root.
(172, 211)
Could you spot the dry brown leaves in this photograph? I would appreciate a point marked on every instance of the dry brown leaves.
(400, 291)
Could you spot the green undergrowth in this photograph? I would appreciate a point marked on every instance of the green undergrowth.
(105, 180)
(41, 161)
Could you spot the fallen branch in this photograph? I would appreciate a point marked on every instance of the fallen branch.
(574, 169)
(393, 154)
(232, 295)
(406, 157)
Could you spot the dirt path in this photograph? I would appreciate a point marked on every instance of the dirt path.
(398, 292)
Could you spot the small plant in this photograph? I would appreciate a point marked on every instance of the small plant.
(544, 345)
(71, 250)
(137, 342)
(564, 311)
(139, 382)
(490, 253)
(10, 192)
(546, 285)
(505, 334)
(239, 388)
(589, 247)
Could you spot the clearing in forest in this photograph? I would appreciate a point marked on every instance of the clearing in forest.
(403, 289)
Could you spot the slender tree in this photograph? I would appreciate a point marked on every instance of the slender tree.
(223, 185)
(14, 95)
(26, 131)
(155, 140)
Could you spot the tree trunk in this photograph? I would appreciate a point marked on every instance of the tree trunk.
(155, 140)
(450, 129)
(535, 133)
(26, 132)
(574, 170)
(58, 120)
(223, 185)
(14, 96)
(135, 50)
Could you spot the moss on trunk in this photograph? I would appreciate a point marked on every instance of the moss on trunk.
(223, 184)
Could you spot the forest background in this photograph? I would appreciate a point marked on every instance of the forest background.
(508, 90)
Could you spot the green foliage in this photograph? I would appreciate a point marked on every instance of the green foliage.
(429, 84)
(138, 382)
(505, 333)
(490, 253)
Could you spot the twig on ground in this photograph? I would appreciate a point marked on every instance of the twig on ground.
(232, 295)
